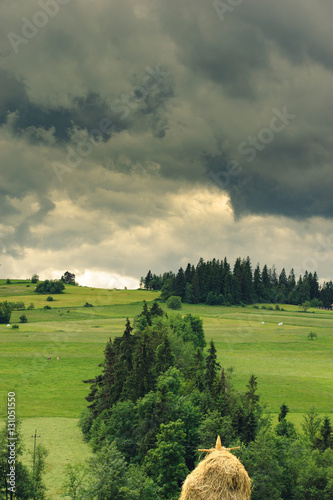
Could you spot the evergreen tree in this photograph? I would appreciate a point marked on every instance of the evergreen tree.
(284, 410)
(189, 273)
(180, 283)
(143, 379)
(325, 438)
(247, 282)
(189, 294)
(155, 310)
(238, 281)
(258, 288)
(146, 313)
(148, 279)
(212, 367)
(266, 283)
(196, 288)
(314, 286)
(311, 425)
(291, 281)
(251, 396)
(164, 356)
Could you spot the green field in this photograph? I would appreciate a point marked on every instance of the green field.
(50, 394)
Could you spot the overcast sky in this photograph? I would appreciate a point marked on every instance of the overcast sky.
(145, 134)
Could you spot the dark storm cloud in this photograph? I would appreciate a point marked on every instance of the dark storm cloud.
(224, 80)
(85, 112)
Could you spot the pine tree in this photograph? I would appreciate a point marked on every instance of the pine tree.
(164, 356)
(155, 310)
(325, 438)
(284, 410)
(180, 283)
(251, 396)
(247, 281)
(258, 288)
(146, 313)
(283, 280)
(266, 283)
(147, 280)
(291, 281)
(189, 273)
(212, 367)
(143, 379)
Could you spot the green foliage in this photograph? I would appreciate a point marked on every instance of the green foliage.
(39, 487)
(17, 306)
(50, 286)
(214, 283)
(312, 335)
(23, 319)
(68, 278)
(305, 305)
(324, 438)
(174, 302)
(212, 367)
(311, 425)
(15, 327)
(34, 278)
(23, 477)
(30, 307)
(165, 464)
(5, 312)
(49, 298)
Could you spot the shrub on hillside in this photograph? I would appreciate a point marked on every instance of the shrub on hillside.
(49, 298)
(17, 306)
(50, 286)
(30, 307)
(23, 318)
(174, 302)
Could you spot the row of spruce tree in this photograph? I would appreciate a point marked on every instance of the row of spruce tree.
(160, 397)
(215, 282)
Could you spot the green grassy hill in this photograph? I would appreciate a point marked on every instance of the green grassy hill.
(291, 369)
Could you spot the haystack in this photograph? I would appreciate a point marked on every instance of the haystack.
(220, 476)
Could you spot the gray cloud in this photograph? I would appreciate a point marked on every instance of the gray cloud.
(169, 135)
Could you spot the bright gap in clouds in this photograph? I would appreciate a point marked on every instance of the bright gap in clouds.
(106, 280)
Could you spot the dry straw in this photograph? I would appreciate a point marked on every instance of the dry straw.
(220, 476)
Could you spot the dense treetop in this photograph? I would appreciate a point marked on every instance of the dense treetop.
(216, 282)
(161, 395)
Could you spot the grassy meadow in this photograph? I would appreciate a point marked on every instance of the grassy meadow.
(291, 369)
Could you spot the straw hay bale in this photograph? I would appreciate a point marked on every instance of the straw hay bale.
(220, 476)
